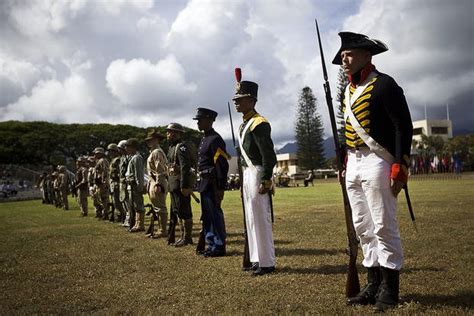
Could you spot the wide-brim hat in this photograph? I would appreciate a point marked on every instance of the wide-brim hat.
(133, 142)
(245, 89)
(112, 147)
(205, 113)
(99, 150)
(154, 134)
(351, 40)
(175, 127)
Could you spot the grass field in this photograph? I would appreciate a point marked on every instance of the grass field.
(54, 261)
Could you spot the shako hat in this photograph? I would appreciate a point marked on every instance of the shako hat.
(351, 40)
(244, 88)
(154, 134)
(99, 150)
(132, 142)
(205, 113)
(175, 127)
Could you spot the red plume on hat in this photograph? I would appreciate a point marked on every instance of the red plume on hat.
(238, 74)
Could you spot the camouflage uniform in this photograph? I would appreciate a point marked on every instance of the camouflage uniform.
(63, 187)
(82, 185)
(102, 181)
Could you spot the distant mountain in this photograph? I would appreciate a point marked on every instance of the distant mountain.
(328, 145)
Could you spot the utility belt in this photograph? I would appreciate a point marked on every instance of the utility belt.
(206, 172)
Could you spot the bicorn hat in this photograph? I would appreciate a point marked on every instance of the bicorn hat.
(205, 113)
(175, 127)
(154, 134)
(351, 40)
(244, 88)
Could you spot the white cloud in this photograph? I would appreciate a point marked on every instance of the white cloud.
(51, 100)
(146, 86)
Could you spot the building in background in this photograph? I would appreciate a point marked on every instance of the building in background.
(442, 128)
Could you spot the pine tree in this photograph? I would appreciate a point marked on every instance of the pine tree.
(342, 82)
(309, 132)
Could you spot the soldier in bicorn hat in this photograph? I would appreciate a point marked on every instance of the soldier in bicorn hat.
(157, 165)
(180, 183)
(378, 133)
(102, 181)
(212, 168)
(258, 159)
(114, 177)
(135, 177)
(82, 184)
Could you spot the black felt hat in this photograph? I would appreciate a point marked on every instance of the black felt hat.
(205, 113)
(351, 40)
(245, 89)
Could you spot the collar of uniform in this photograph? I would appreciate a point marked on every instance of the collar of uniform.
(249, 115)
(361, 75)
(209, 132)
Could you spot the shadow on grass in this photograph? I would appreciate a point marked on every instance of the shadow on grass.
(422, 269)
(306, 252)
(325, 270)
(240, 241)
(463, 299)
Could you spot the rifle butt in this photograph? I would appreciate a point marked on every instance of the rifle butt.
(352, 283)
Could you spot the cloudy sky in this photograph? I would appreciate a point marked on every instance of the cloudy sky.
(147, 63)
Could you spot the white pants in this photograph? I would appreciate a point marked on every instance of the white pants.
(258, 219)
(374, 209)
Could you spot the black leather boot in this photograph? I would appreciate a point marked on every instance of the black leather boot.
(387, 296)
(368, 294)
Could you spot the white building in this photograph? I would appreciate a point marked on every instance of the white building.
(443, 128)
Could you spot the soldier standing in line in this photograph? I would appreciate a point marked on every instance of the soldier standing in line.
(258, 159)
(63, 186)
(126, 219)
(212, 168)
(135, 177)
(158, 183)
(93, 189)
(56, 195)
(102, 180)
(378, 131)
(42, 186)
(114, 177)
(180, 184)
(82, 185)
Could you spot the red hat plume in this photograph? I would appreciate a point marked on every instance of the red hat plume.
(238, 74)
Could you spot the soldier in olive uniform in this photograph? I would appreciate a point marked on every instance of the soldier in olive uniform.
(55, 186)
(258, 159)
(102, 181)
(180, 184)
(212, 168)
(82, 185)
(135, 177)
(127, 220)
(157, 165)
(63, 186)
(114, 177)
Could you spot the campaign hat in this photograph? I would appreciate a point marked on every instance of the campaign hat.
(154, 134)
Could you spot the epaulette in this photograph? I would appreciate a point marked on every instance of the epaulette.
(258, 119)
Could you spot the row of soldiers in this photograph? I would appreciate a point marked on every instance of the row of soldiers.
(55, 187)
(116, 178)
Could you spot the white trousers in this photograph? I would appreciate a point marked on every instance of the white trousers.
(258, 219)
(374, 209)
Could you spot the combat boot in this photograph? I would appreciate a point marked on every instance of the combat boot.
(181, 239)
(139, 223)
(188, 231)
(368, 294)
(387, 296)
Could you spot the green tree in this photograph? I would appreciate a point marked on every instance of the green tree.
(309, 132)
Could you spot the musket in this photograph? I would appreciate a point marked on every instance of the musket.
(246, 264)
(352, 284)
